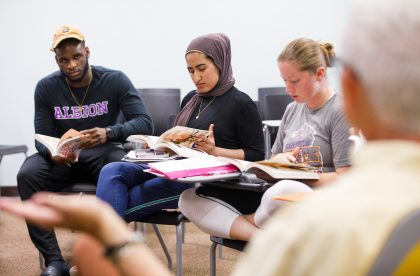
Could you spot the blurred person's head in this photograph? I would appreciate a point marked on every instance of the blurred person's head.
(381, 68)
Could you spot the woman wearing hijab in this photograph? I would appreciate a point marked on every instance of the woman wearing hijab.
(216, 105)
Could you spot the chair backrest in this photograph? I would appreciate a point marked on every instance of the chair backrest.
(12, 149)
(258, 106)
(402, 240)
(234, 244)
(263, 92)
(163, 105)
(80, 187)
(276, 105)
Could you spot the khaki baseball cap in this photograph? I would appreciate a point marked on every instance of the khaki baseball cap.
(65, 32)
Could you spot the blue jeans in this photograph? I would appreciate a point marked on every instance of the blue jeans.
(135, 194)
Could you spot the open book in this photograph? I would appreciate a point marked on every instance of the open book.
(69, 142)
(276, 168)
(178, 140)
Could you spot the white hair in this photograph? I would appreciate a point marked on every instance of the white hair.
(382, 46)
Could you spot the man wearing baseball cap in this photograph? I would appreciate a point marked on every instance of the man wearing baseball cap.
(88, 99)
(66, 32)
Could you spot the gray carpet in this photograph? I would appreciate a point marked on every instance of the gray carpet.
(19, 257)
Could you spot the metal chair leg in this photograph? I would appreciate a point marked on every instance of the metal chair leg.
(163, 245)
(143, 228)
(267, 141)
(213, 259)
(220, 252)
(179, 242)
(140, 227)
(135, 226)
(183, 231)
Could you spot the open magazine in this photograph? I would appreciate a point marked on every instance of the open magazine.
(178, 140)
(276, 168)
(69, 142)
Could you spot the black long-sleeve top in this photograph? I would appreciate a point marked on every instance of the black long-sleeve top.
(110, 93)
(237, 123)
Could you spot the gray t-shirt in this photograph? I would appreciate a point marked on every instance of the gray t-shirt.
(321, 134)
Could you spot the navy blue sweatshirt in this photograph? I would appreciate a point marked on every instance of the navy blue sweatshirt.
(110, 93)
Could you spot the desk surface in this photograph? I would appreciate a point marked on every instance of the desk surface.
(272, 123)
(226, 180)
(229, 181)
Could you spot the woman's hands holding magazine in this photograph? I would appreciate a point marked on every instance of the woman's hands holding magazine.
(208, 143)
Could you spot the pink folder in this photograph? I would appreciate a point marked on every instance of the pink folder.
(191, 167)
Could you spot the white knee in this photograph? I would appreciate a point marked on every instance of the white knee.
(187, 199)
(211, 215)
(269, 205)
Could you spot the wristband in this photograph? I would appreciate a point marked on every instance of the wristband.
(110, 134)
(119, 251)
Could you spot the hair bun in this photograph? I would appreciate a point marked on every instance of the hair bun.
(328, 51)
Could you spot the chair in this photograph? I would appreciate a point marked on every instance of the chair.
(275, 107)
(12, 149)
(163, 105)
(234, 244)
(272, 102)
(169, 218)
(262, 99)
(404, 238)
(247, 181)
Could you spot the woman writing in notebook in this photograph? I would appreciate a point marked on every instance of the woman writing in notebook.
(313, 130)
(216, 105)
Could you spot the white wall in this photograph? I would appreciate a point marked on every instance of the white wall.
(147, 40)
